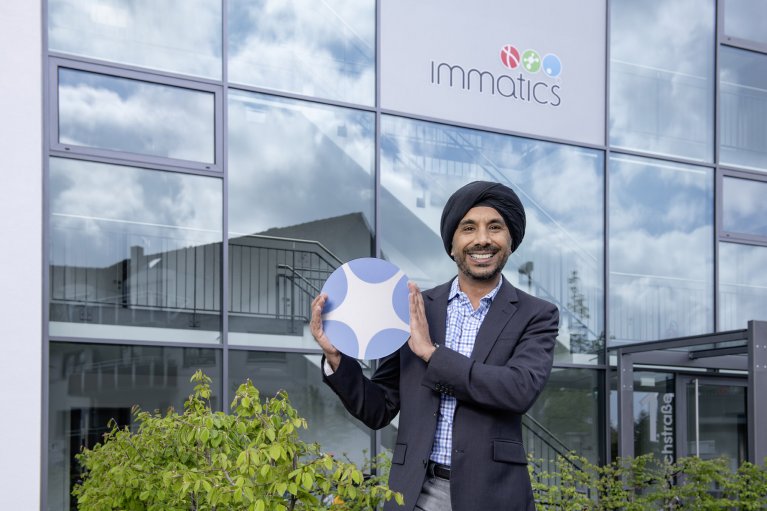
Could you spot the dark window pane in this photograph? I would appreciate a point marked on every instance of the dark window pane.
(661, 77)
(181, 36)
(301, 197)
(322, 49)
(661, 255)
(300, 376)
(654, 409)
(565, 417)
(91, 384)
(106, 112)
(134, 253)
(560, 259)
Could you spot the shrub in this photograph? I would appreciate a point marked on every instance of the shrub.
(250, 459)
(646, 483)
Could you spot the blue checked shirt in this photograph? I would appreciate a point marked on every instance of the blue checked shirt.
(463, 323)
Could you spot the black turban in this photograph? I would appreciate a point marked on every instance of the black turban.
(483, 193)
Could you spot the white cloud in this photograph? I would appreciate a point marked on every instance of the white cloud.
(183, 36)
(142, 118)
(323, 48)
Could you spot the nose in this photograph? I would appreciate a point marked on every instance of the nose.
(483, 236)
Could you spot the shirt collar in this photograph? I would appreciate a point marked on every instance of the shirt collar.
(455, 291)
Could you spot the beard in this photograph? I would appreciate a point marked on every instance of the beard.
(481, 274)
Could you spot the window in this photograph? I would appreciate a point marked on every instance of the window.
(661, 254)
(743, 85)
(321, 49)
(180, 36)
(744, 209)
(301, 377)
(746, 20)
(134, 253)
(110, 115)
(742, 285)
(90, 385)
(661, 77)
(301, 199)
(560, 259)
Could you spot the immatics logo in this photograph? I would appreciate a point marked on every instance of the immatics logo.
(538, 79)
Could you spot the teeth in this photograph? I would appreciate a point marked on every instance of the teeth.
(481, 256)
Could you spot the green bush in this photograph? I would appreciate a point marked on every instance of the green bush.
(645, 483)
(251, 459)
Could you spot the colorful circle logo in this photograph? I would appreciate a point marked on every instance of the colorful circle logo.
(509, 56)
(552, 66)
(367, 313)
(531, 61)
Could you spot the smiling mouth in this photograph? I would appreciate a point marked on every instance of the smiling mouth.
(481, 257)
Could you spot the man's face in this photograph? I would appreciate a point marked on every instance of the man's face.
(481, 244)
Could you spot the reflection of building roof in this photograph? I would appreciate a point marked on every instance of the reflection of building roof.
(347, 236)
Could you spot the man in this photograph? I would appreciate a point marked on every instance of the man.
(479, 354)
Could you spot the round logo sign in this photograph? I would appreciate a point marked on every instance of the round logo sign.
(509, 56)
(367, 313)
(552, 66)
(531, 60)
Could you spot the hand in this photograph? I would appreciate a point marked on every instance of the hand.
(420, 341)
(332, 355)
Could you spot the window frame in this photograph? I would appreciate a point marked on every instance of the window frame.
(57, 148)
(735, 236)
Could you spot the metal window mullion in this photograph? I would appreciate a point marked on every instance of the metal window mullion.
(375, 435)
(718, 33)
(222, 145)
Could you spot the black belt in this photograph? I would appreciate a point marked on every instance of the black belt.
(438, 470)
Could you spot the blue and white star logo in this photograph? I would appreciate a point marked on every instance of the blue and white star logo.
(367, 313)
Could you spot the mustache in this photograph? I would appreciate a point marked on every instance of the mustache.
(482, 248)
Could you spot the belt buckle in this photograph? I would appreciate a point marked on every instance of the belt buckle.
(438, 470)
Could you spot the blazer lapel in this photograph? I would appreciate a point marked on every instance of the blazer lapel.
(501, 311)
(435, 302)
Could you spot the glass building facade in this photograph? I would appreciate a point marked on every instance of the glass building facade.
(208, 164)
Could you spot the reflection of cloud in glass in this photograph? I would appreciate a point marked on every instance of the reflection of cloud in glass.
(182, 36)
(743, 107)
(661, 88)
(742, 285)
(322, 48)
(661, 258)
(746, 19)
(744, 207)
(561, 187)
(94, 202)
(129, 115)
(292, 162)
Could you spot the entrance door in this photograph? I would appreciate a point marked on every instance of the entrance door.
(712, 418)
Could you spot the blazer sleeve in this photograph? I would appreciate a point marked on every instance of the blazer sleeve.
(374, 401)
(511, 387)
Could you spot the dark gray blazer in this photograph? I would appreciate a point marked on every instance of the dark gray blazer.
(506, 372)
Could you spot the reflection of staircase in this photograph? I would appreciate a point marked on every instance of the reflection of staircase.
(543, 445)
(273, 281)
(545, 450)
